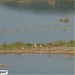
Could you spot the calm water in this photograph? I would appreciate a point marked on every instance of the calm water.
(36, 24)
(38, 64)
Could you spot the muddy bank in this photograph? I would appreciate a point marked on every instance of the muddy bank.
(44, 50)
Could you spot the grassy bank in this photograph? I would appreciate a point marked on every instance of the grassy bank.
(58, 47)
(19, 45)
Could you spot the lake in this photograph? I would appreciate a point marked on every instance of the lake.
(36, 23)
(38, 64)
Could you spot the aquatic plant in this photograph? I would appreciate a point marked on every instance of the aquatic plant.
(61, 20)
(65, 20)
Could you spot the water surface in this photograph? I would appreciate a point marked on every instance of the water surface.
(36, 24)
(38, 64)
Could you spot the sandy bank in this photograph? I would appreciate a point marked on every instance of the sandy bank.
(44, 50)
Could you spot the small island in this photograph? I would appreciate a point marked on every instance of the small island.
(57, 47)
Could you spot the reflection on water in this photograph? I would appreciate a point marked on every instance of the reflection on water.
(37, 22)
(43, 5)
(38, 64)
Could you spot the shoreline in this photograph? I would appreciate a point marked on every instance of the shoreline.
(57, 47)
(39, 50)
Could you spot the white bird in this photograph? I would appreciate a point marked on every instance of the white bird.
(35, 45)
(22, 47)
(40, 45)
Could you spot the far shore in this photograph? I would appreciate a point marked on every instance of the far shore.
(43, 50)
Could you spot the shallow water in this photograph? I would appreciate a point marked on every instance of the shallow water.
(38, 64)
(38, 25)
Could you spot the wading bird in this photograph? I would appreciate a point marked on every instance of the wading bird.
(40, 45)
(35, 45)
(22, 47)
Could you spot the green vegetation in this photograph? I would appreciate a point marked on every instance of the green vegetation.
(65, 20)
(62, 43)
(18, 45)
(61, 20)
